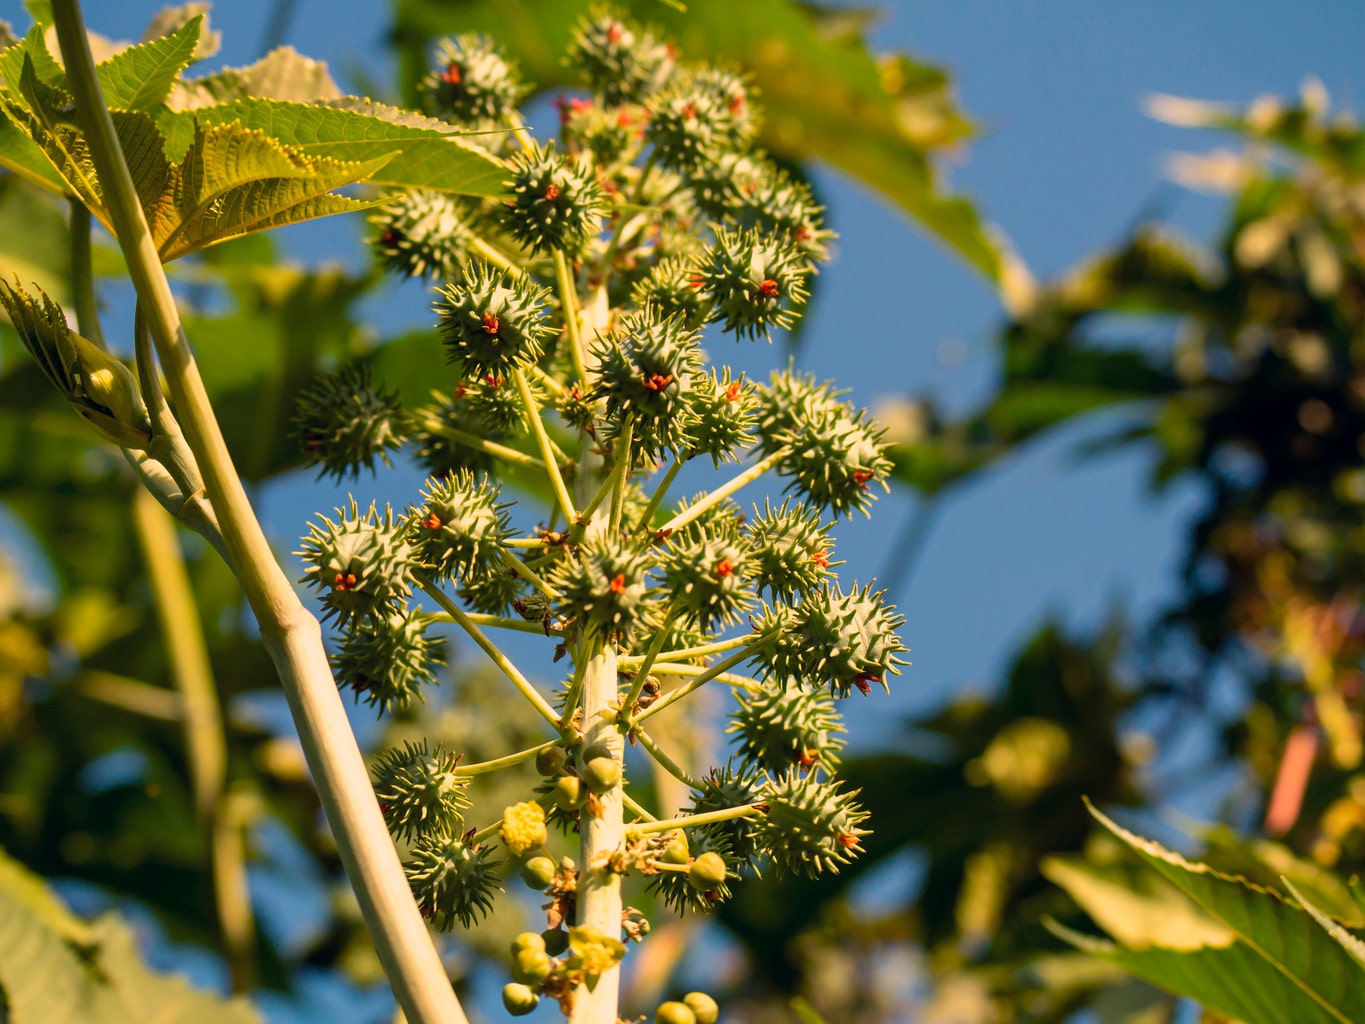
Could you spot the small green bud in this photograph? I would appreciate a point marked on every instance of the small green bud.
(674, 1012)
(602, 774)
(550, 761)
(519, 999)
(703, 1007)
(707, 872)
(595, 750)
(538, 872)
(570, 792)
(556, 940)
(527, 941)
(677, 851)
(531, 966)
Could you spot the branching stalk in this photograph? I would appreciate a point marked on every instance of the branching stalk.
(724, 491)
(568, 297)
(547, 446)
(667, 763)
(520, 757)
(695, 820)
(739, 657)
(290, 634)
(660, 491)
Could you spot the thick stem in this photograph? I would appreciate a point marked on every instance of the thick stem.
(291, 636)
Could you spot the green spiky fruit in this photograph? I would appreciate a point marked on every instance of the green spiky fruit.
(557, 203)
(676, 888)
(492, 322)
(421, 234)
(706, 575)
(781, 726)
(646, 368)
(847, 640)
(756, 280)
(811, 825)
(789, 551)
(720, 416)
(387, 664)
(472, 82)
(834, 457)
(495, 404)
(518, 999)
(361, 565)
(697, 118)
(674, 288)
(451, 880)
(437, 450)
(788, 400)
(419, 791)
(461, 527)
(602, 585)
(618, 60)
(721, 790)
(344, 422)
(604, 132)
(493, 592)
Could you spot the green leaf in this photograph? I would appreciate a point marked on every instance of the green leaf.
(56, 969)
(824, 94)
(415, 157)
(1353, 946)
(282, 74)
(1276, 965)
(32, 47)
(140, 77)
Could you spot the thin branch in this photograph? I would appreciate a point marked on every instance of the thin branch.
(667, 763)
(724, 491)
(695, 820)
(568, 298)
(547, 446)
(507, 761)
(703, 677)
(654, 502)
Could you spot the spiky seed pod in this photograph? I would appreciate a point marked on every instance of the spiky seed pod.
(360, 565)
(387, 664)
(834, 458)
(720, 416)
(603, 585)
(845, 640)
(494, 592)
(699, 116)
(646, 368)
(441, 455)
(781, 726)
(461, 527)
(495, 405)
(492, 323)
(419, 791)
(674, 289)
(421, 234)
(344, 422)
(472, 82)
(722, 789)
(811, 825)
(451, 880)
(725, 518)
(556, 203)
(790, 551)
(605, 133)
(788, 400)
(706, 576)
(674, 888)
(757, 281)
(620, 61)
(786, 208)
(719, 187)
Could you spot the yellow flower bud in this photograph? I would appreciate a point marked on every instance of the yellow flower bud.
(523, 828)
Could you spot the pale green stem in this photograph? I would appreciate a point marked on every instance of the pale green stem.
(537, 426)
(660, 491)
(518, 127)
(703, 678)
(622, 474)
(546, 380)
(83, 275)
(130, 694)
(667, 763)
(568, 297)
(499, 451)
(489, 648)
(529, 575)
(575, 690)
(525, 542)
(694, 820)
(647, 662)
(686, 653)
(609, 484)
(231, 892)
(495, 256)
(632, 804)
(724, 491)
(689, 671)
(484, 834)
(520, 757)
(635, 200)
(496, 621)
(290, 634)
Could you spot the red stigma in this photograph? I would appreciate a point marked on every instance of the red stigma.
(551, 192)
(451, 75)
(690, 111)
(432, 522)
(807, 758)
(344, 581)
(820, 558)
(732, 392)
(390, 237)
(614, 32)
(491, 324)
(696, 281)
(494, 382)
(618, 584)
(768, 289)
(847, 840)
(804, 233)
(724, 568)
(737, 104)
(862, 476)
(657, 381)
(461, 390)
(864, 680)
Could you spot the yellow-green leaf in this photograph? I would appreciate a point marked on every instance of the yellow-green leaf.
(140, 77)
